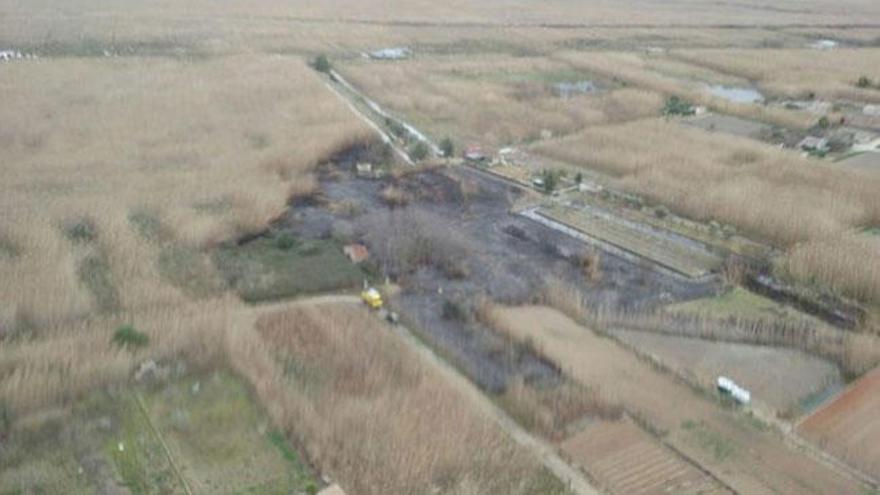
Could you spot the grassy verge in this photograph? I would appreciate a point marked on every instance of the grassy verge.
(737, 303)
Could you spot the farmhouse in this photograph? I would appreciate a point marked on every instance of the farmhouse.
(357, 253)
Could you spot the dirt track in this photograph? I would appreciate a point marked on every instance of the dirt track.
(744, 455)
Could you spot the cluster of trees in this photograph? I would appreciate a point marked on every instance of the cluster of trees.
(866, 82)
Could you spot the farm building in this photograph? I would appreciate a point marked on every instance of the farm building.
(357, 253)
(474, 153)
(813, 143)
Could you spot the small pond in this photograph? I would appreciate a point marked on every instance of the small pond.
(736, 94)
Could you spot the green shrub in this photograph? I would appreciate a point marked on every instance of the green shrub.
(551, 181)
(419, 152)
(864, 82)
(677, 106)
(285, 242)
(322, 64)
(82, 231)
(129, 337)
(447, 147)
(824, 123)
(311, 488)
(454, 311)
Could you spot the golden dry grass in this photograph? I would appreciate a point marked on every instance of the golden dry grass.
(847, 263)
(807, 205)
(829, 74)
(494, 99)
(211, 149)
(370, 413)
(769, 193)
(657, 73)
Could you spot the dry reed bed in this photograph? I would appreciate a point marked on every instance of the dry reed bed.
(494, 99)
(806, 205)
(70, 360)
(644, 72)
(212, 149)
(830, 74)
(369, 412)
(770, 193)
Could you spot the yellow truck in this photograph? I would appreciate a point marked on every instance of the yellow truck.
(372, 298)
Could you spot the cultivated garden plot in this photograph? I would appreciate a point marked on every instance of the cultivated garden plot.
(848, 426)
(197, 434)
(627, 460)
(724, 442)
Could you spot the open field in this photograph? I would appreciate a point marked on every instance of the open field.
(730, 125)
(779, 378)
(167, 439)
(868, 161)
(627, 460)
(722, 441)
(848, 427)
(739, 303)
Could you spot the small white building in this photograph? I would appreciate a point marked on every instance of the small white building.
(396, 53)
(813, 143)
(728, 387)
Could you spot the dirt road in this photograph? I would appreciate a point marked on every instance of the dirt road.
(745, 455)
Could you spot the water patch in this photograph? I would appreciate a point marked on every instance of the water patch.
(736, 94)
(569, 89)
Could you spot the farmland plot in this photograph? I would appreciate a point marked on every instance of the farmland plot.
(628, 461)
(645, 242)
(849, 426)
(745, 456)
(781, 378)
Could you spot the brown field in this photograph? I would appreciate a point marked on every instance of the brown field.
(848, 426)
(780, 378)
(626, 460)
(747, 457)
(370, 412)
